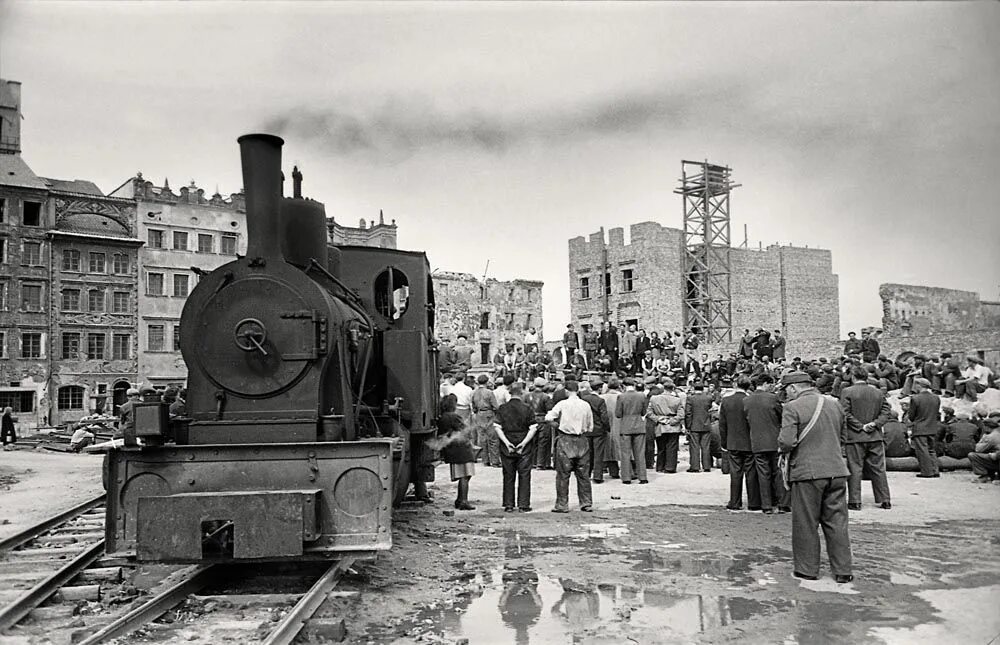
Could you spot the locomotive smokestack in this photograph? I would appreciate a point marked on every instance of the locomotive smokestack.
(296, 183)
(262, 179)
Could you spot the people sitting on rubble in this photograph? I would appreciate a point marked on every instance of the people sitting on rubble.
(985, 459)
(975, 379)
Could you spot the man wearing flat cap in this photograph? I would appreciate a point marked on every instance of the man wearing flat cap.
(866, 411)
(924, 416)
(126, 413)
(810, 437)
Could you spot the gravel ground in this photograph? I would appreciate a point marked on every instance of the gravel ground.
(663, 563)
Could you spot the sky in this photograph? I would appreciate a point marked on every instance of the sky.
(496, 132)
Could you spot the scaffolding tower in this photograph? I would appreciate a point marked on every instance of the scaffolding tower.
(705, 189)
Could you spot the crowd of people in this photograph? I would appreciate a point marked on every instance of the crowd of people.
(620, 414)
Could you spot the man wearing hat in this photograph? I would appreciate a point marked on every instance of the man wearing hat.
(667, 410)
(924, 415)
(986, 458)
(734, 433)
(869, 347)
(598, 435)
(866, 411)
(126, 413)
(810, 437)
(698, 421)
(541, 402)
(853, 345)
(571, 341)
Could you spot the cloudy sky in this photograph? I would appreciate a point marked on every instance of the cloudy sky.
(498, 131)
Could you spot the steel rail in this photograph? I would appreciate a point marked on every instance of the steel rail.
(23, 604)
(295, 620)
(154, 607)
(30, 533)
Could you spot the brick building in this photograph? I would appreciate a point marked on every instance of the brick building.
(778, 287)
(93, 301)
(493, 314)
(380, 235)
(911, 310)
(184, 232)
(25, 216)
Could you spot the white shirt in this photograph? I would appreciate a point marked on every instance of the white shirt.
(530, 339)
(463, 394)
(502, 394)
(574, 414)
(978, 373)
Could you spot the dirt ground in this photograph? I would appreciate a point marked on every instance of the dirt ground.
(663, 563)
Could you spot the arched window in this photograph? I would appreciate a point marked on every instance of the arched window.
(70, 397)
(392, 293)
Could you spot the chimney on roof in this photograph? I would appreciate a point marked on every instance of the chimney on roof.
(296, 183)
(381, 218)
(10, 117)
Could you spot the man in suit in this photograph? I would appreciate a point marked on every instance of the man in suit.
(777, 345)
(541, 402)
(924, 415)
(818, 478)
(571, 341)
(608, 341)
(598, 435)
(865, 413)
(734, 432)
(667, 410)
(631, 409)
(869, 347)
(763, 413)
(698, 422)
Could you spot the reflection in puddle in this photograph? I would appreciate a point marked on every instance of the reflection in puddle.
(964, 615)
(518, 605)
(736, 568)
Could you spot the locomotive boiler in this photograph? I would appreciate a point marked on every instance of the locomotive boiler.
(310, 389)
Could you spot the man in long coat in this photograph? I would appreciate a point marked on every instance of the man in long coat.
(631, 409)
(763, 413)
(810, 434)
(865, 413)
(924, 415)
(734, 432)
(698, 422)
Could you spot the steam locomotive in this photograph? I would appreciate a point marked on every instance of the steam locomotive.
(311, 389)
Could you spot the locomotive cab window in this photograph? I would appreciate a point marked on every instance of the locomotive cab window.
(392, 293)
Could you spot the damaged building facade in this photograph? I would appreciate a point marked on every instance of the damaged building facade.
(641, 283)
(184, 234)
(493, 314)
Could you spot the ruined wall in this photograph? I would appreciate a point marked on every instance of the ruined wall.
(654, 257)
(920, 311)
(492, 314)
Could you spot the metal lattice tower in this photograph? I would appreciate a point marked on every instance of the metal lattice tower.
(705, 190)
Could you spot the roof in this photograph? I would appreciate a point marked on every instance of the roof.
(125, 240)
(15, 172)
(79, 186)
(92, 224)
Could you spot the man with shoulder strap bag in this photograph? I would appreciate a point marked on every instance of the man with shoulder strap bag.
(813, 467)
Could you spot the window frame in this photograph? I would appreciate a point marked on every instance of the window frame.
(161, 335)
(93, 355)
(97, 262)
(187, 285)
(74, 393)
(115, 338)
(24, 213)
(62, 300)
(150, 232)
(73, 265)
(70, 336)
(103, 301)
(41, 296)
(177, 235)
(114, 302)
(584, 286)
(149, 276)
(36, 336)
(26, 258)
(228, 237)
(123, 257)
(211, 242)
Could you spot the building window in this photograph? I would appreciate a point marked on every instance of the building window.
(71, 299)
(3, 208)
(154, 239)
(3, 344)
(627, 284)
(71, 260)
(31, 297)
(607, 284)
(527, 322)
(154, 340)
(19, 401)
(3, 250)
(205, 243)
(180, 241)
(71, 346)
(95, 300)
(484, 293)
(32, 254)
(584, 288)
(32, 213)
(180, 285)
(70, 397)
(31, 344)
(119, 302)
(120, 263)
(177, 337)
(228, 244)
(3, 296)
(484, 320)
(120, 345)
(154, 284)
(95, 347)
(98, 263)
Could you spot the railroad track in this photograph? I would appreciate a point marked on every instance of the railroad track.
(53, 576)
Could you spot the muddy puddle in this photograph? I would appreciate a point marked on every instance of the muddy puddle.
(538, 592)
